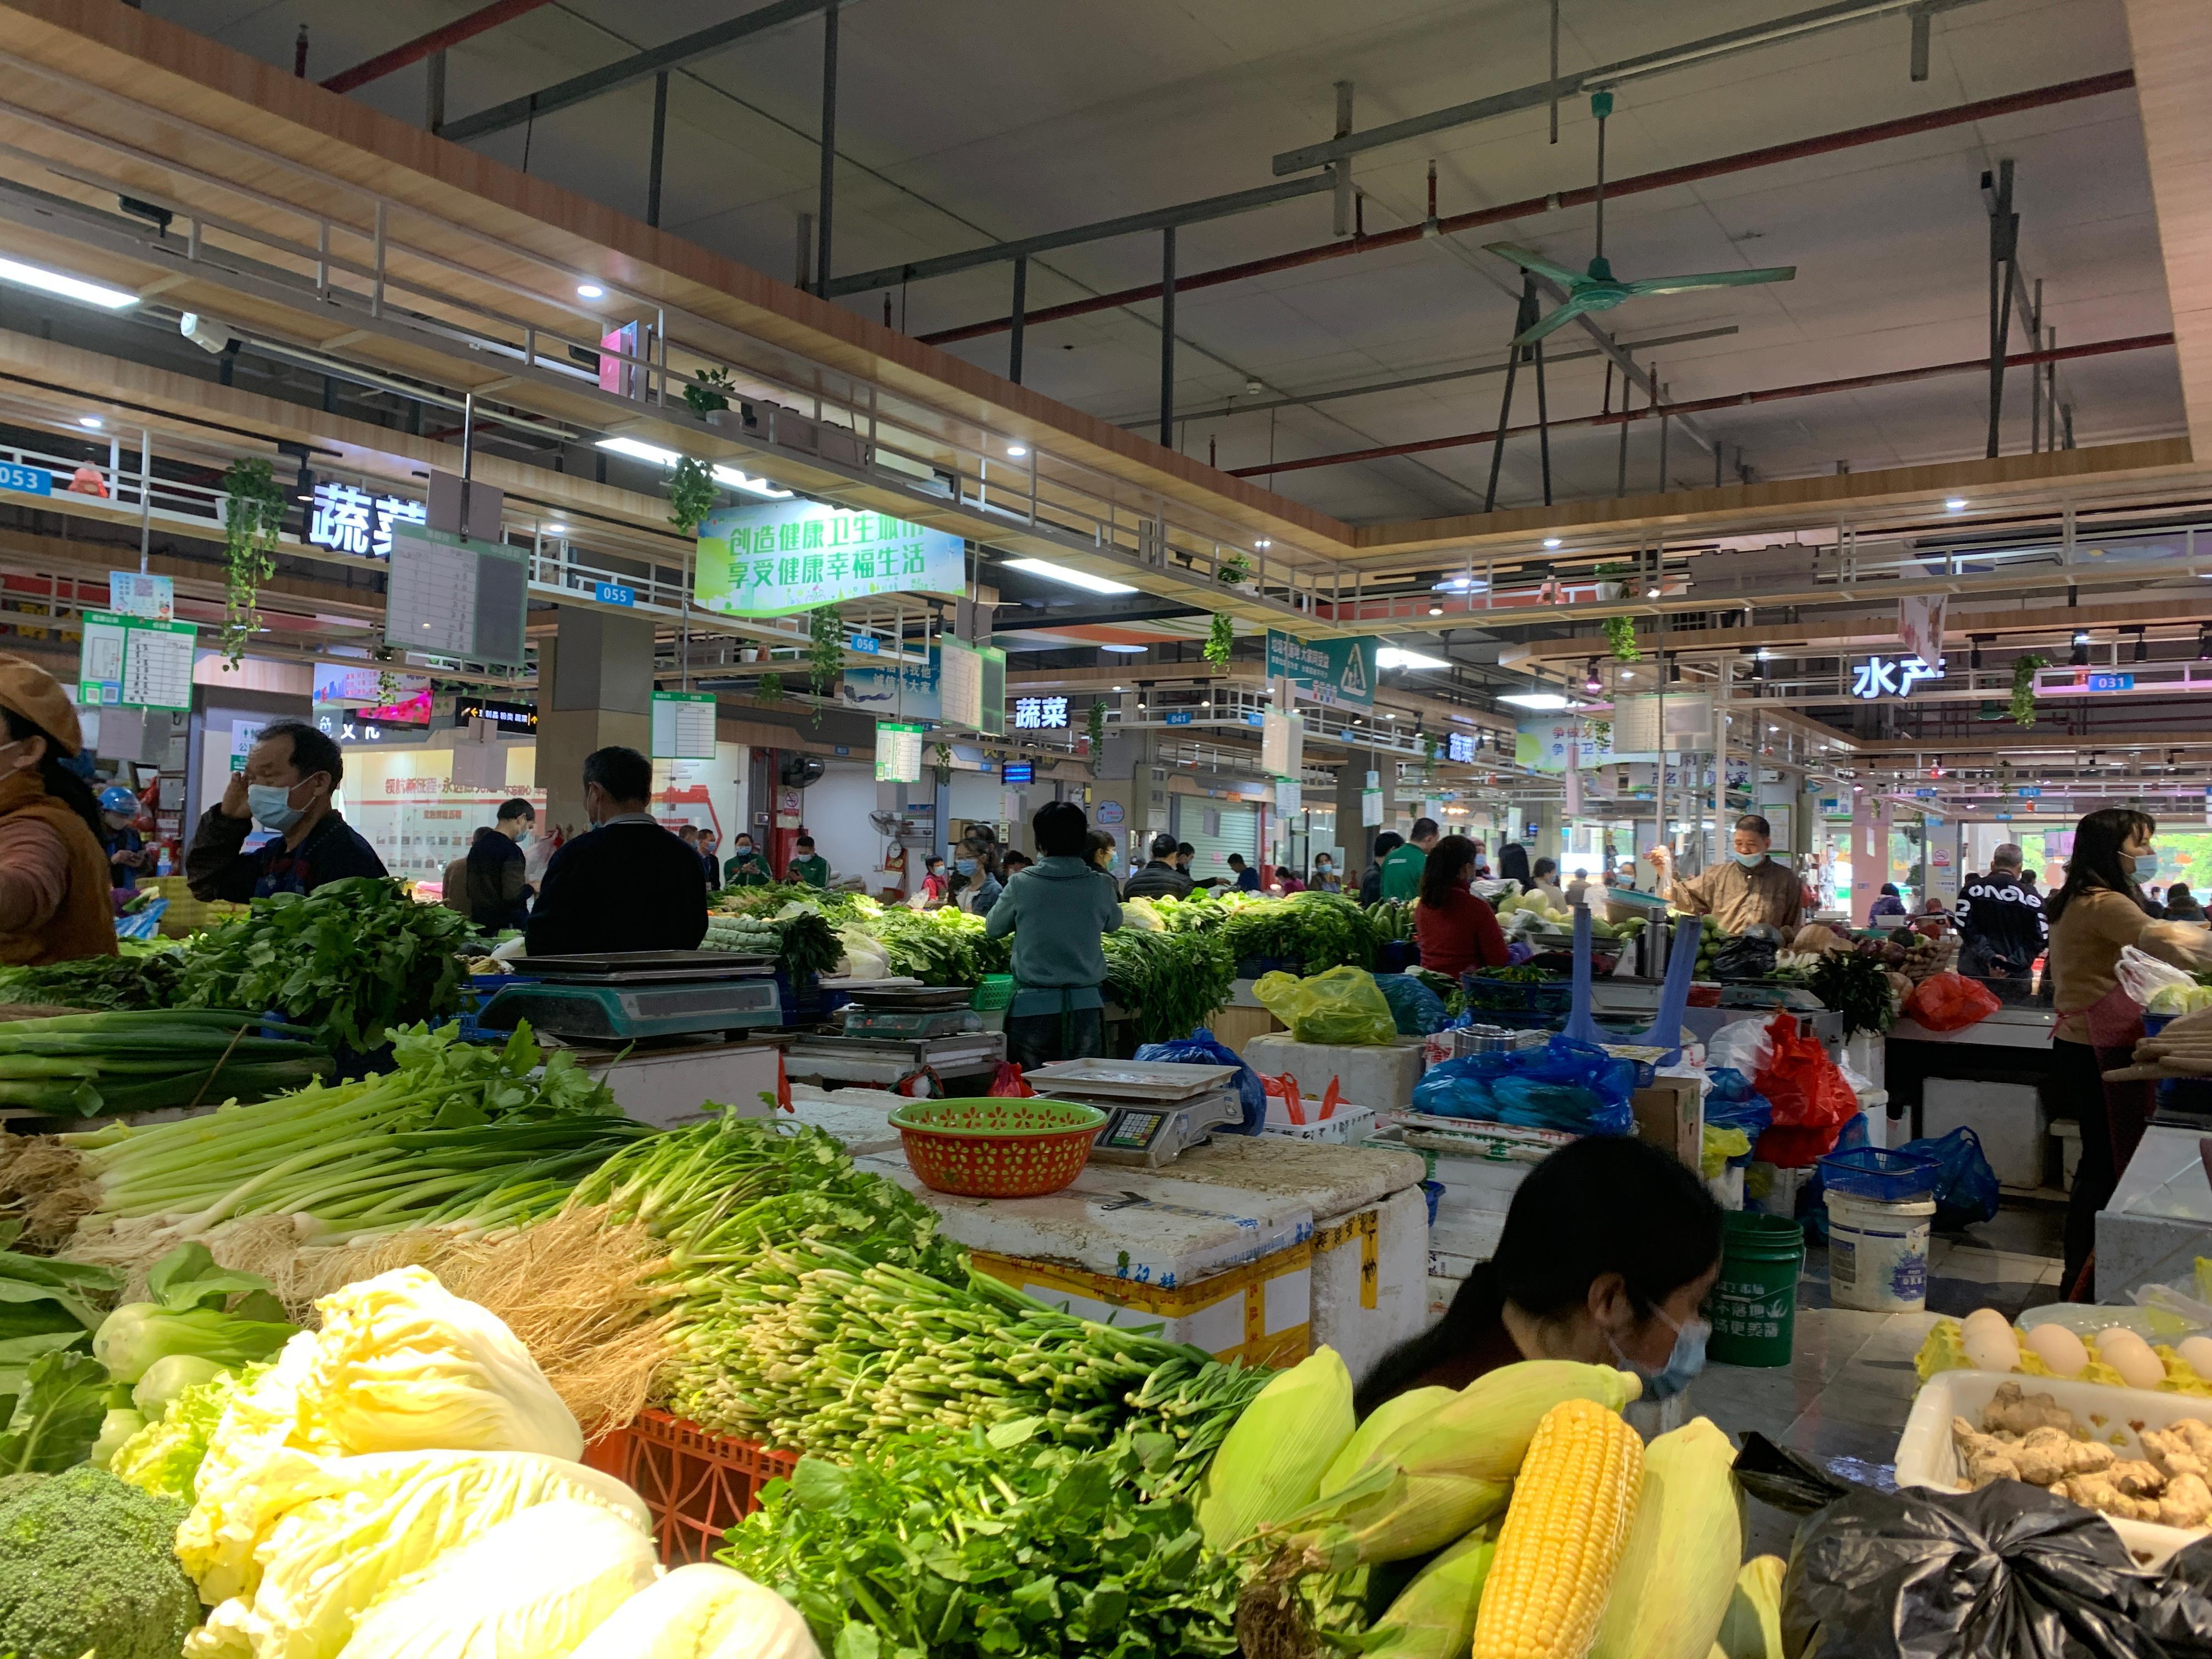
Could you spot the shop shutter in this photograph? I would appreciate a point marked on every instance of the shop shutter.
(1216, 828)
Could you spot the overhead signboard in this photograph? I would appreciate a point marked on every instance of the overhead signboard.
(1459, 746)
(1015, 772)
(770, 558)
(972, 683)
(449, 596)
(898, 751)
(347, 519)
(1328, 671)
(133, 662)
(1892, 677)
(684, 726)
(897, 691)
(520, 718)
(135, 593)
(1040, 713)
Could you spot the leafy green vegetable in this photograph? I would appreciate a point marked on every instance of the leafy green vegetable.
(165, 1457)
(123, 982)
(352, 958)
(136, 1335)
(1856, 986)
(55, 1420)
(87, 1567)
(1169, 983)
(991, 1543)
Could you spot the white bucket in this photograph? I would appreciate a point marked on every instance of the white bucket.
(1878, 1254)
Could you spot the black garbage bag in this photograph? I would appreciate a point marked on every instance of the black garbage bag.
(1745, 958)
(2011, 1571)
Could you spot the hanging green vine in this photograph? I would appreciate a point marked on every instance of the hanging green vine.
(691, 494)
(387, 682)
(1220, 641)
(1620, 639)
(1094, 726)
(825, 650)
(1429, 749)
(944, 767)
(2023, 687)
(1234, 569)
(252, 521)
(708, 392)
(769, 691)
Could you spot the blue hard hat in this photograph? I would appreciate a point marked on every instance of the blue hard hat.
(116, 798)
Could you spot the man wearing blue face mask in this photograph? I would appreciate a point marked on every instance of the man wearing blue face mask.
(1749, 887)
(292, 773)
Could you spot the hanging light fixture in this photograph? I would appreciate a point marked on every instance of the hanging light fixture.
(1974, 651)
(2081, 657)
(1590, 681)
(2142, 645)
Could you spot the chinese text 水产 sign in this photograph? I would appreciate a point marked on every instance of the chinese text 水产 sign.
(774, 557)
(1892, 677)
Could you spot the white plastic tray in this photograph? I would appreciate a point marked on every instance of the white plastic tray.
(1346, 1124)
(1927, 1457)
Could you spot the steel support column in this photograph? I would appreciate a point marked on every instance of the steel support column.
(2004, 248)
(1167, 336)
(1021, 310)
(829, 184)
(659, 148)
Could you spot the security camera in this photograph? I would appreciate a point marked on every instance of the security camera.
(210, 334)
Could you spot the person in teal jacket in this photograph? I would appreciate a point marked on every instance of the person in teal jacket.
(1058, 910)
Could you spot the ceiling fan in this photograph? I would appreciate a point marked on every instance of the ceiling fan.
(1598, 288)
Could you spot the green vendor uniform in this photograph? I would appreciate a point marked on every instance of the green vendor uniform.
(814, 872)
(1401, 871)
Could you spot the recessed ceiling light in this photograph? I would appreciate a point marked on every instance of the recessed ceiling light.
(1542, 701)
(92, 421)
(1956, 504)
(640, 452)
(1436, 610)
(1017, 450)
(70, 288)
(1551, 541)
(1390, 656)
(1263, 542)
(1126, 650)
(590, 291)
(557, 529)
(1650, 592)
(1082, 579)
(1117, 688)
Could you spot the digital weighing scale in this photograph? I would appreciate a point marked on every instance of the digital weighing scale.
(1156, 1110)
(911, 1014)
(623, 996)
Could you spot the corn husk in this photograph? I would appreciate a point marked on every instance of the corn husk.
(1677, 1575)
(1433, 1617)
(1385, 1420)
(1271, 1462)
(1449, 1469)
(1752, 1627)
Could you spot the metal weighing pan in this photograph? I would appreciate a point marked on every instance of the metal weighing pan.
(642, 967)
(1132, 1080)
(920, 999)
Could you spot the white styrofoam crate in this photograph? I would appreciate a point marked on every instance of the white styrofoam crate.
(1927, 1457)
(2007, 1118)
(1347, 1123)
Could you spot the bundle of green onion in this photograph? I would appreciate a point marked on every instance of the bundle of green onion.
(815, 1348)
(459, 1136)
(84, 1065)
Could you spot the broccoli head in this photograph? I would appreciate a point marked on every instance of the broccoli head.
(87, 1564)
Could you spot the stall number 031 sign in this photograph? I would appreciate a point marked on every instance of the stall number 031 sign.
(1040, 713)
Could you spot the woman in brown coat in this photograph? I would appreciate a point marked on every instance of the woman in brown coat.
(54, 895)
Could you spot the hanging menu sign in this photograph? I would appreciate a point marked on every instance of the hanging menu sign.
(972, 680)
(774, 557)
(684, 726)
(133, 662)
(898, 751)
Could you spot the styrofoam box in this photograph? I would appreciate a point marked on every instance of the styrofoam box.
(1347, 1123)
(1927, 1457)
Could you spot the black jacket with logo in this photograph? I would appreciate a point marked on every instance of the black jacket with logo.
(2006, 919)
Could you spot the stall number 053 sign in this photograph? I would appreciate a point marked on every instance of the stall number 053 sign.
(1892, 677)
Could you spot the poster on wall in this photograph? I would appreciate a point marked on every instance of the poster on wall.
(898, 751)
(770, 558)
(132, 662)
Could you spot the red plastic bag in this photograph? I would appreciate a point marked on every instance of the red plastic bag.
(1811, 1100)
(1286, 1089)
(1009, 1084)
(1949, 1002)
(782, 1085)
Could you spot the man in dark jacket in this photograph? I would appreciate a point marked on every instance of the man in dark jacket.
(1160, 879)
(627, 885)
(290, 778)
(2001, 921)
(498, 895)
(2182, 905)
(1371, 884)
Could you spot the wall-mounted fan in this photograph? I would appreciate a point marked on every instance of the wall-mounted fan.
(795, 771)
(1598, 288)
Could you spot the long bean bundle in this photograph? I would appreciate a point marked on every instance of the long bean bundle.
(459, 1136)
(83, 1064)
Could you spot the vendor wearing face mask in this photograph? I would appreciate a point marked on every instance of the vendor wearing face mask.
(291, 774)
(1749, 888)
(54, 898)
(2093, 917)
(627, 884)
(1609, 1250)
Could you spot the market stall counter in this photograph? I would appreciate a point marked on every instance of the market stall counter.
(2159, 1220)
(1987, 1077)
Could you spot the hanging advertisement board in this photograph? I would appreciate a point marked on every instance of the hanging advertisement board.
(770, 558)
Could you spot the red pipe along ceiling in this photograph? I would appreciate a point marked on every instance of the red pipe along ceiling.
(1732, 400)
(1773, 155)
(425, 46)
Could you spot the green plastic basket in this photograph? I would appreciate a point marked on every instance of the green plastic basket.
(990, 1147)
(996, 991)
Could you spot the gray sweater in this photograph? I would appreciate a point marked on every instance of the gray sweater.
(1057, 910)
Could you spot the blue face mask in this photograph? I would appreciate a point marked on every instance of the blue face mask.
(272, 806)
(1683, 1364)
(1749, 860)
(965, 866)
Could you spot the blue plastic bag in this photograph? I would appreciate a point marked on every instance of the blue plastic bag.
(1733, 1104)
(1566, 1086)
(1965, 1186)
(1417, 1008)
(1201, 1048)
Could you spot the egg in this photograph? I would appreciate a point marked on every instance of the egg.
(2196, 1353)
(2058, 1348)
(1989, 1343)
(2130, 1356)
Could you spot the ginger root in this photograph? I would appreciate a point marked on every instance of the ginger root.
(2044, 1457)
(2011, 1412)
(2106, 1491)
(2182, 1447)
(2186, 1502)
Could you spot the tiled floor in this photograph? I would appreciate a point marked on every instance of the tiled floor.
(1843, 1400)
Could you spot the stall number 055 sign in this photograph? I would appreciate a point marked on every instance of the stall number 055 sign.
(1892, 677)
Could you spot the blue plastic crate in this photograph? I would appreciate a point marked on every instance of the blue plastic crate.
(1879, 1176)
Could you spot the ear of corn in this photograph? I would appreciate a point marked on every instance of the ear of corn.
(1564, 1533)
(1385, 1420)
(1484, 1432)
(1752, 1628)
(1678, 1571)
(1433, 1617)
(1270, 1463)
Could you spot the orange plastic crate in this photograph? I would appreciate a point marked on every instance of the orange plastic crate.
(697, 1485)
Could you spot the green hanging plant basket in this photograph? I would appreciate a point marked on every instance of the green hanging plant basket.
(1620, 639)
(2023, 688)
(254, 520)
(1220, 642)
(825, 652)
(1094, 726)
(769, 691)
(691, 495)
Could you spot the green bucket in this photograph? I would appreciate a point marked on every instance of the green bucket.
(1753, 1306)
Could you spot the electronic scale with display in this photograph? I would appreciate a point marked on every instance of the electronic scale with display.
(626, 996)
(1156, 1110)
(911, 1014)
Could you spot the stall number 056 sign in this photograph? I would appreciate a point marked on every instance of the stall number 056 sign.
(1040, 713)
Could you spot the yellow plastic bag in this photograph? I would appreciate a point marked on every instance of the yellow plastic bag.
(1721, 1145)
(1342, 1007)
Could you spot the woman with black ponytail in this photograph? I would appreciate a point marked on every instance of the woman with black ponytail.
(1609, 1250)
(54, 895)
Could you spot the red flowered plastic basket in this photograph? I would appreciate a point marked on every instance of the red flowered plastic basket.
(996, 1147)
(697, 1485)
